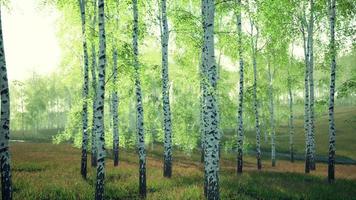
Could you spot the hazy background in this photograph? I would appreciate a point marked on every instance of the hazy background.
(30, 39)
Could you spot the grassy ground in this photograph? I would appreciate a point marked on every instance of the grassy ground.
(345, 120)
(47, 171)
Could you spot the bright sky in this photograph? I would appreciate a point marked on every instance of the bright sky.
(30, 39)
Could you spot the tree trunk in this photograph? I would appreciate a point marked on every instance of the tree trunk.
(115, 114)
(255, 100)
(139, 107)
(273, 135)
(306, 102)
(93, 131)
(94, 67)
(6, 183)
(311, 86)
(211, 115)
(332, 135)
(291, 118)
(99, 109)
(85, 93)
(202, 90)
(167, 124)
(240, 130)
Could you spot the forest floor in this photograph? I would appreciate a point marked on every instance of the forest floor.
(345, 120)
(49, 171)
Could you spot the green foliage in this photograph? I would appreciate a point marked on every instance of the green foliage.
(53, 101)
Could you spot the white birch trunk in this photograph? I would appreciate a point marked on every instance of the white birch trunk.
(115, 115)
(6, 183)
(99, 110)
(211, 115)
(167, 123)
(255, 100)
(306, 100)
(82, 5)
(332, 132)
(291, 119)
(273, 135)
(139, 107)
(240, 130)
(311, 86)
(94, 67)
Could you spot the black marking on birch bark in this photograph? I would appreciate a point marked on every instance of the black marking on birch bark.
(99, 111)
(332, 131)
(6, 182)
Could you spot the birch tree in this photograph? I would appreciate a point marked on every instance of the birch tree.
(240, 130)
(306, 94)
(167, 123)
(202, 72)
(114, 95)
(115, 115)
(291, 116)
(94, 86)
(332, 132)
(82, 5)
(139, 107)
(272, 122)
(6, 183)
(254, 40)
(99, 109)
(311, 85)
(211, 115)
